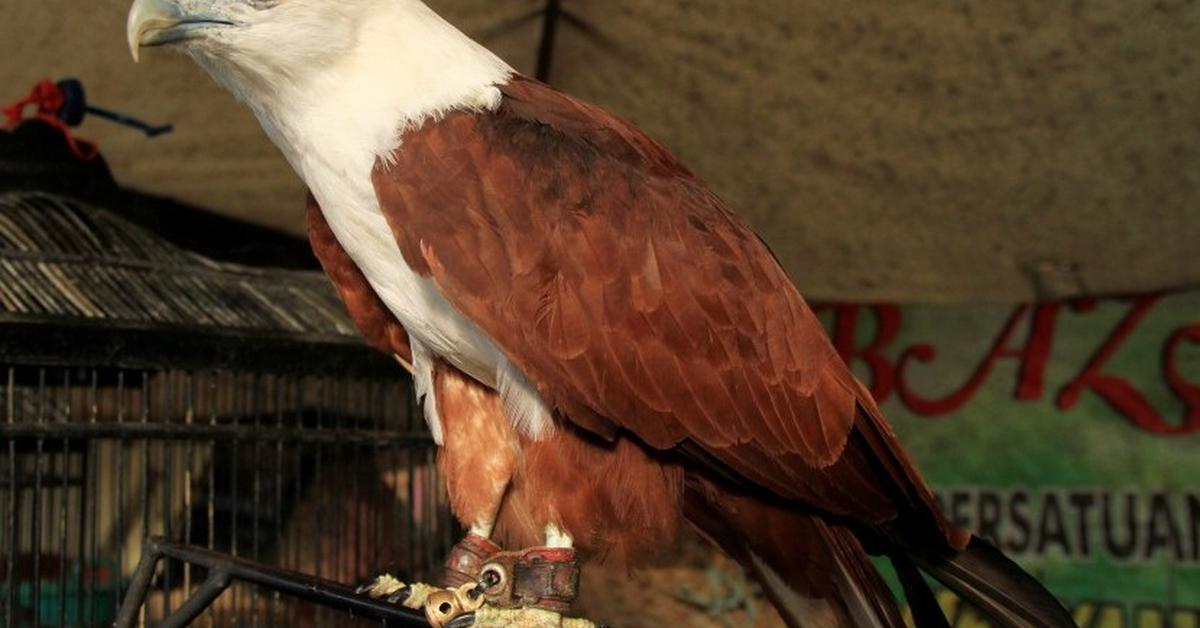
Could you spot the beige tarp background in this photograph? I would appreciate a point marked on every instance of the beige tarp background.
(923, 150)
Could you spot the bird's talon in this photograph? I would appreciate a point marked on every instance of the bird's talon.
(391, 590)
(399, 597)
(381, 586)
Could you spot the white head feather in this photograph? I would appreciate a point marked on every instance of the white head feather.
(307, 65)
(335, 84)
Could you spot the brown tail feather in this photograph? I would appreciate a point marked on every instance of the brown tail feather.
(974, 570)
(865, 595)
(926, 611)
(816, 575)
(991, 582)
(921, 521)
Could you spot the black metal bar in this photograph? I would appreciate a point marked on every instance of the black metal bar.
(395, 545)
(339, 542)
(320, 535)
(177, 431)
(279, 558)
(430, 508)
(166, 409)
(120, 529)
(10, 574)
(189, 403)
(296, 496)
(108, 342)
(356, 533)
(145, 419)
(378, 537)
(138, 586)
(218, 580)
(210, 505)
(256, 403)
(151, 130)
(239, 394)
(37, 507)
(545, 57)
(309, 588)
(90, 500)
(413, 415)
(65, 457)
(48, 478)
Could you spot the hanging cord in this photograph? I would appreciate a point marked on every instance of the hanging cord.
(63, 105)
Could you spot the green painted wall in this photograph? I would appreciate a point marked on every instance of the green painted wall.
(1043, 473)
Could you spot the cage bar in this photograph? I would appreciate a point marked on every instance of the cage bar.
(149, 391)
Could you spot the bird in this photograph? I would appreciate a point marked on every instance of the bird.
(604, 349)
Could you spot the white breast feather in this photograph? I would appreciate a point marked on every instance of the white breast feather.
(522, 403)
(366, 105)
(422, 375)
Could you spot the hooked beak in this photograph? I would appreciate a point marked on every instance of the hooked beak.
(159, 22)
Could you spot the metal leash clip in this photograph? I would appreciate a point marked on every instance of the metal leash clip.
(443, 607)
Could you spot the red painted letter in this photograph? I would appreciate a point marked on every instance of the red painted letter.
(1120, 394)
(1033, 356)
(844, 327)
(1187, 391)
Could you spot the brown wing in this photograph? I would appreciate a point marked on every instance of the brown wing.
(630, 295)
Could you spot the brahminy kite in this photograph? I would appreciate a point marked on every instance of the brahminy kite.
(604, 349)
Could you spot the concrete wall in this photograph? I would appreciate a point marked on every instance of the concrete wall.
(929, 150)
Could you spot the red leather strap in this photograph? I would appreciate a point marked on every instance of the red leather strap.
(541, 577)
(466, 559)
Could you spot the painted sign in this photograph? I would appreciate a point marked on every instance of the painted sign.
(1067, 433)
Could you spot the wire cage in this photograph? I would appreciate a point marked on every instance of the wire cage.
(146, 390)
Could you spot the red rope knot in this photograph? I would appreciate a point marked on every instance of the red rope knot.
(48, 100)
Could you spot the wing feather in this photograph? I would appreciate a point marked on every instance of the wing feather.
(631, 296)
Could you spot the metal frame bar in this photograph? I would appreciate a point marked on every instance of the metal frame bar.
(545, 53)
(224, 569)
(183, 431)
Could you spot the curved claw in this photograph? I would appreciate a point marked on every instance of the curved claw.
(462, 621)
(381, 586)
(368, 588)
(400, 596)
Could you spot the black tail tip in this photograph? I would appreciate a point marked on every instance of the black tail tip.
(983, 576)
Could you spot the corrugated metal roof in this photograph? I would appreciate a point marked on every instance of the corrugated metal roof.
(65, 260)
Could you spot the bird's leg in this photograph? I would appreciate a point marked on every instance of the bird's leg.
(478, 459)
